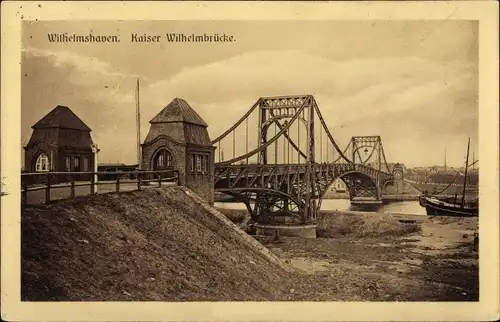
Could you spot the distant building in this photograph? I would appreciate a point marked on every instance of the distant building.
(178, 140)
(338, 186)
(60, 142)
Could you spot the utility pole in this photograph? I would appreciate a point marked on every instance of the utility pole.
(445, 167)
(95, 151)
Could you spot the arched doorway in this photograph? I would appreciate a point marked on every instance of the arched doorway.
(163, 160)
(42, 163)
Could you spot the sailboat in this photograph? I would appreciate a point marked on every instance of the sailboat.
(439, 206)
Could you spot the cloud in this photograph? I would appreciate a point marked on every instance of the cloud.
(89, 74)
(403, 99)
(347, 91)
(82, 64)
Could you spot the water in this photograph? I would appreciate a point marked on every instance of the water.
(397, 207)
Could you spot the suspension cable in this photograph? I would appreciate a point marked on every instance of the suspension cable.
(269, 142)
(320, 144)
(298, 139)
(288, 150)
(220, 137)
(246, 143)
(327, 153)
(328, 133)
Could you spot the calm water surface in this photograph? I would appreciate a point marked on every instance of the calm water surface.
(399, 207)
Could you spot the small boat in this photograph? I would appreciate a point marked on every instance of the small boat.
(446, 206)
(437, 207)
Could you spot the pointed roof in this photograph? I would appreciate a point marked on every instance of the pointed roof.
(178, 111)
(61, 117)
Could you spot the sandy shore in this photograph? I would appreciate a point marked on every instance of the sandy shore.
(384, 257)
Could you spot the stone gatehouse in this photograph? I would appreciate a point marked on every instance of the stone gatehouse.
(60, 142)
(178, 140)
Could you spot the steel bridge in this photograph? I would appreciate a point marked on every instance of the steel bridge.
(283, 158)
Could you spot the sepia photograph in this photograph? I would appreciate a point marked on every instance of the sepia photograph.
(250, 160)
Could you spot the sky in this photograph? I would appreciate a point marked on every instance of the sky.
(414, 83)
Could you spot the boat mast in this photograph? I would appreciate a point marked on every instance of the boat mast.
(138, 126)
(473, 161)
(465, 178)
(445, 168)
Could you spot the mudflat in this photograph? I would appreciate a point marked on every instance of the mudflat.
(382, 257)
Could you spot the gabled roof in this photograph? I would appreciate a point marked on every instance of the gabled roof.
(178, 111)
(61, 117)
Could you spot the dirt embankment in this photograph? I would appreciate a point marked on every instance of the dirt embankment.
(151, 245)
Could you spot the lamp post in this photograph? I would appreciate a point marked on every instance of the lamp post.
(95, 152)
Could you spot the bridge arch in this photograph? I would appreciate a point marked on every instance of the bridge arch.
(277, 203)
(352, 179)
(260, 189)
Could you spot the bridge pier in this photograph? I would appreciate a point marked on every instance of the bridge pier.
(302, 231)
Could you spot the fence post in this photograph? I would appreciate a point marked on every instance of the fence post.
(24, 196)
(72, 187)
(159, 180)
(47, 189)
(139, 180)
(92, 184)
(118, 183)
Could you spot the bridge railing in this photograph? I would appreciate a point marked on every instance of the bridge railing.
(47, 186)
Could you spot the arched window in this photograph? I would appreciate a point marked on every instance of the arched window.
(160, 162)
(163, 160)
(169, 160)
(42, 163)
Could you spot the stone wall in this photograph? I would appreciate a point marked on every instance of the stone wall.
(202, 185)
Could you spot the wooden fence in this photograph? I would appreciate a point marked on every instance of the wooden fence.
(49, 181)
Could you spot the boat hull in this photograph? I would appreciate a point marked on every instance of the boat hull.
(434, 209)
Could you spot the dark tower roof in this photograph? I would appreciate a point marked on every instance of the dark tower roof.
(178, 111)
(61, 117)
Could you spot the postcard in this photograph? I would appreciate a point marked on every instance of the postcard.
(295, 161)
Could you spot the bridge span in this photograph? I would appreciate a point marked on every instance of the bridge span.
(282, 169)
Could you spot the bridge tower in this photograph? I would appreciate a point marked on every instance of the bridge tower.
(368, 151)
(301, 110)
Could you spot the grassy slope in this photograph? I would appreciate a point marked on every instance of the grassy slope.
(149, 245)
(332, 225)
